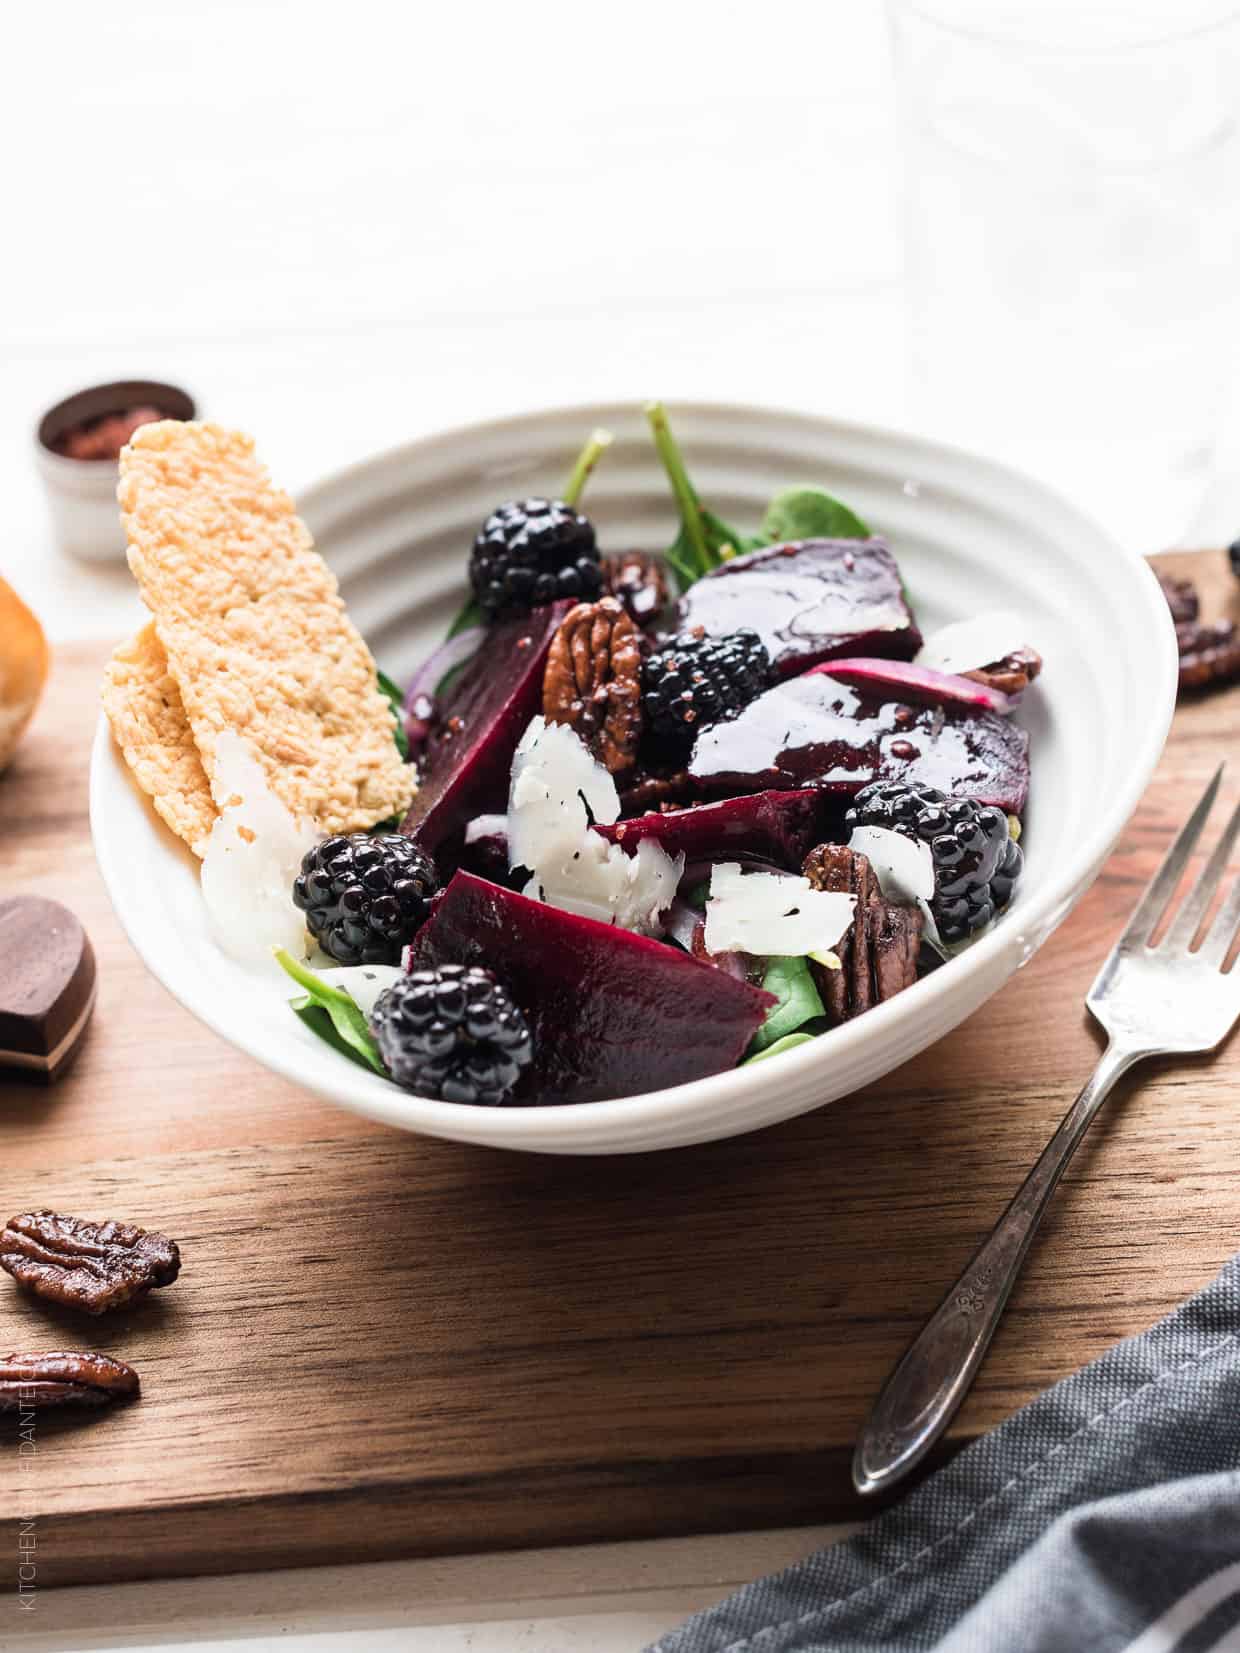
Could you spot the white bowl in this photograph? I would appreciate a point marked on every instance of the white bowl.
(969, 535)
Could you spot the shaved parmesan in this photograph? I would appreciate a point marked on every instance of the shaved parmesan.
(253, 854)
(904, 868)
(772, 914)
(557, 791)
(968, 645)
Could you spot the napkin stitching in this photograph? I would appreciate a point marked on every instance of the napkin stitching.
(1023, 1474)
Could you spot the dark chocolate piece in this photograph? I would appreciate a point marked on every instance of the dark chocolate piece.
(47, 986)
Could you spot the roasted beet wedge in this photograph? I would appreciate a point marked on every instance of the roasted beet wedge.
(612, 1014)
(465, 771)
(781, 827)
(809, 601)
(815, 731)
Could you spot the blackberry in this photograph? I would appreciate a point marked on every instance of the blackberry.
(365, 897)
(532, 551)
(976, 859)
(454, 1033)
(694, 680)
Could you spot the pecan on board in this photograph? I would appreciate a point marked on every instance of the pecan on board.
(63, 1378)
(639, 580)
(878, 954)
(1011, 675)
(1209, 653)
(593, 681)
(1182, 598)
(85, 1265)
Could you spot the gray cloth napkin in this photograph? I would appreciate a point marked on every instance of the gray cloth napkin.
(1103, 1517)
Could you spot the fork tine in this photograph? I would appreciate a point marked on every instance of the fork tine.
(1221, 934)
(1162, 886)
(1190, 915)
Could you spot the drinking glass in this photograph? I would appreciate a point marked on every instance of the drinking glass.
(1071, 222)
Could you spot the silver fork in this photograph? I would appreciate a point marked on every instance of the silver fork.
(1152, 1001)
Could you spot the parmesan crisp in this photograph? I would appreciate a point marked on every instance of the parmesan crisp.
(148, 720)
(255, 633)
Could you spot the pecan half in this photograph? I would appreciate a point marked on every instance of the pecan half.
(672, 789)
(1209, 653)
(593, 681)
(63, 1378)
(638, 579)
(1011, 675)
(878, 955)
(85, 1265)
(1181, 597)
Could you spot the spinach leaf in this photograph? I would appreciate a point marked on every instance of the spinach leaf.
(389, 688)
(348, 1025)
(320, 1024)
(789, 1042)
(470, 615)
(808, 514)
(705, 541)
(793, 986)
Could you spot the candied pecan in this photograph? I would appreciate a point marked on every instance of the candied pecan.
(63, 1378)
(664, 791)
(878, 955)
(1011, 675)
(593, 681)
(1181, 597)
(639, 580)
(1209, 653)
(85, 1265)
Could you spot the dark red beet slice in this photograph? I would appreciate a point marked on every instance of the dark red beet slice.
(612, 1014)
(809, 601)
(780, 826)
(815, 731)
(465, 772)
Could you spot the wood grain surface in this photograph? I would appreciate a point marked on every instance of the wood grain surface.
(386, 1346)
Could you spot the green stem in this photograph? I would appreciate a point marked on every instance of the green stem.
(686, 498)
(301, 975)
(587, 459)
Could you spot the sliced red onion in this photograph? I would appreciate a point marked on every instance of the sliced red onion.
(680, 921)
(904, 680)
(420, 703)
(487, 826)
(698, 872)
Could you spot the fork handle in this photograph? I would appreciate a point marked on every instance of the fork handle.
(923, 1393)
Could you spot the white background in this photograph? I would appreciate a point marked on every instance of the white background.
(345, 224)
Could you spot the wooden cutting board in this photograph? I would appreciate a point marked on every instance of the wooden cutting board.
(386, 1346)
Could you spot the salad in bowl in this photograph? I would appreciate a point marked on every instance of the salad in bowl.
(644, 816)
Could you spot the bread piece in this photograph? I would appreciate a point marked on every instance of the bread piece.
(23, 669)
(148, 720)
(255, 632)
